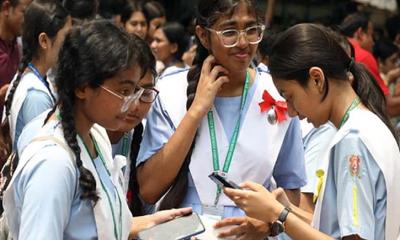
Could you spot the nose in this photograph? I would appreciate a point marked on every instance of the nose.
(134, 105)
(291, 111)
(153, 45)
(242, 40)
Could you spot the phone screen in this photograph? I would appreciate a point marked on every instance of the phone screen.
(178, 228)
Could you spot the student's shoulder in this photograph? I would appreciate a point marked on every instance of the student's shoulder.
(174, 72)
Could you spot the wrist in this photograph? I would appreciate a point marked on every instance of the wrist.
(197, 112)
(279, 225)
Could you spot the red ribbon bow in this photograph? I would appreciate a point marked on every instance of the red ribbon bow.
(280, 107)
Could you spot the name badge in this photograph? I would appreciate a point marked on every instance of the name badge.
(213, 212)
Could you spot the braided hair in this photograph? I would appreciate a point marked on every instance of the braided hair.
(209, 11)
(41, 16)
(92, 53)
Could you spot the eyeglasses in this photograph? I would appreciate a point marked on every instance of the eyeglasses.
(230, 37)
(147, 95)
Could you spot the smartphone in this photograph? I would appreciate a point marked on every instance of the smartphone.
(222, 181)
(178, 228)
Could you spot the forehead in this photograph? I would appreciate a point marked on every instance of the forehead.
(21, 3)
(286, 86)
(159, 33)
(147, 80)
(242, 14)
(138, 16)
(128, 76)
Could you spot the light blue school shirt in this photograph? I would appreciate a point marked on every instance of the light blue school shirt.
(337, 208)
(35, 103)
(316, 143)
(289, 170)
(49, 190)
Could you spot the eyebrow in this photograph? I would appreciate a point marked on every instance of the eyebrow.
(233, 23)
(130, 82)
(147, 85)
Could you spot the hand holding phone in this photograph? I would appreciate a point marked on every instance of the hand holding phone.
(222, 181)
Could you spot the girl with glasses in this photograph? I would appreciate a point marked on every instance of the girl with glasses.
(66, 185)
(224, 129)
(126, 140)
(357, 195)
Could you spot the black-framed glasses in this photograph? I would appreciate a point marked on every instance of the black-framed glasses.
(230, 37)
(149, 95)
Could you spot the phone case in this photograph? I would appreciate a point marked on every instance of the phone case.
(179, 228)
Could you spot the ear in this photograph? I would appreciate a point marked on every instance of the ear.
(44, 41)
(83, 92)
(359, 34)
(202, 34)
(174, 48)
(317, 79)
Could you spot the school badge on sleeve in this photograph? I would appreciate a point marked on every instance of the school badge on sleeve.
(354, 162)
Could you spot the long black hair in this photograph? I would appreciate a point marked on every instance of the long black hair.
(41, 16)
(148, 63)
(177, 34)
(303, 46)
(91, 53)
(209, 11)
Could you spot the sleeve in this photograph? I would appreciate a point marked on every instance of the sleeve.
(35, 103)
(159, 128)
(356, 176)
(289, 171)
(316, 143)
(46, 188)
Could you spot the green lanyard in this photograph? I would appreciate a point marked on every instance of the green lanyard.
(105, 190)
(353, 105)
(125, 145)
(233, 140)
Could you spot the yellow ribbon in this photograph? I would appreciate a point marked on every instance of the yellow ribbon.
(320, 174)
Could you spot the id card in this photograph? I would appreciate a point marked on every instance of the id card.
(213, 212)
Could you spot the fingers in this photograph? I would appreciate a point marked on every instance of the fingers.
(252, 186)
(278, 192)
(218, 71)
(207, 64)
(234, 231)
(235, 194)
(230, 221)
(180, 212)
